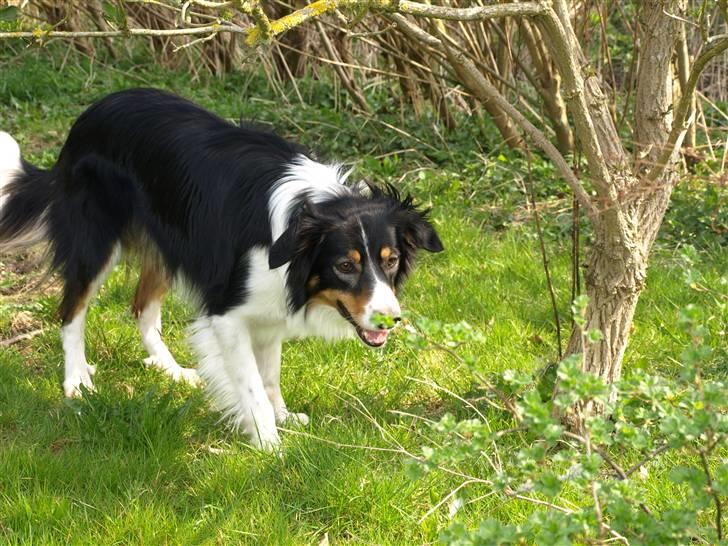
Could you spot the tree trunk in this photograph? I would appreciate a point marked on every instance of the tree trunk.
(614, 279)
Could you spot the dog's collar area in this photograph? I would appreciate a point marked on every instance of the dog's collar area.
(373, 338)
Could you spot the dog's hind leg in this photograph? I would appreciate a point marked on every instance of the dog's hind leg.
(90, 212)
(77, 295)
(147, 308)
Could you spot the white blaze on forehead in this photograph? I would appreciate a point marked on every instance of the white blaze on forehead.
(383, 300)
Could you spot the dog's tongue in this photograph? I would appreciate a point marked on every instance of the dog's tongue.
(376, 337)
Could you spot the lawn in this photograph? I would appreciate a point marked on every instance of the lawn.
(146, 461)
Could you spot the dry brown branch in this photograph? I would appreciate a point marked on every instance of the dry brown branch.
(485, 91)
(20, 337)
(348, 82)
(711, 49)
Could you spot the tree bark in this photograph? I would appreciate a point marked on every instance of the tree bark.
(614, 278)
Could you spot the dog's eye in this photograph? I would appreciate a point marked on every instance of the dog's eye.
(345, 267)
(392, 262)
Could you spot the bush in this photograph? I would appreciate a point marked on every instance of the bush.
(587, 484)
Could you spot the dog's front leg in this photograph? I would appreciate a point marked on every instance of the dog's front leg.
(268, 357)
(227, 363)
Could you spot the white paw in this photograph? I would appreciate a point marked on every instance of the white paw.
(292, 419)
(265, 440)
(174, 370)
(80, 376)
(190, 376)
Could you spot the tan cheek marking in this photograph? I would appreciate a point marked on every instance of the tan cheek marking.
(354, 303)
(313, 282)
(355, 256)
(385, 253)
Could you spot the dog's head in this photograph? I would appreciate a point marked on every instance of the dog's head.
(352, 253)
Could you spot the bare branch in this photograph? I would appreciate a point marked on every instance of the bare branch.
(20, 337)
(41, 34)
(348, 82)
(477, 13)
(714, 47)
(485, 91)
(565, 58)
(713, 493)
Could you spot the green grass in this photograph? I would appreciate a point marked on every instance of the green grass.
(145, 461)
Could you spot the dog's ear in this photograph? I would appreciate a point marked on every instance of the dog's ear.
(297, 236)
(281, 252)
(418, 232)
(414, 227)
(299, 246)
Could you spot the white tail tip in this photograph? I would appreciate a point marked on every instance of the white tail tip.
(10, 163)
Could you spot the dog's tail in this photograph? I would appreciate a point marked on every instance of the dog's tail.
(25, 195)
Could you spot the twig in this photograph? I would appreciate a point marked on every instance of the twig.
(712, 48)
(20, 337)
(445, 499)
(646, 458)
(621, 474)
(714, 494)
(544, 255)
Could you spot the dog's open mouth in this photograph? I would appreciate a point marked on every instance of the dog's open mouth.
(373, 338)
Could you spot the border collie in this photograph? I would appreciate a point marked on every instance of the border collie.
(272, 243)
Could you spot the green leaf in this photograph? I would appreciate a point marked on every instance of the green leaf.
(693, 477)
(9, 14)
(549, 484)
(578, 310)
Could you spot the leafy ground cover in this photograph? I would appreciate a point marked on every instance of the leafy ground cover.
(146, 461)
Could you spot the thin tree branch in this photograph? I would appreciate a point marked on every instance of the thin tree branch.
(20, 337)
(544, 255)
(563, 54)
(477, 13)
(713, 493)
(484, 90)
(348, 82)
(41, 34)
(714, 47)
(567, 55)
(635, 467)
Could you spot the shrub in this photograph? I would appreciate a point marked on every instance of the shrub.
(588, 483)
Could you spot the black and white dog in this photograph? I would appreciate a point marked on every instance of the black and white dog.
(273, 244)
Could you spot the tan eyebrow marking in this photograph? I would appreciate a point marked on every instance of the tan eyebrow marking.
(355, 256)
(386, 252)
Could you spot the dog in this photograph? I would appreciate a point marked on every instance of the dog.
(271, 243)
